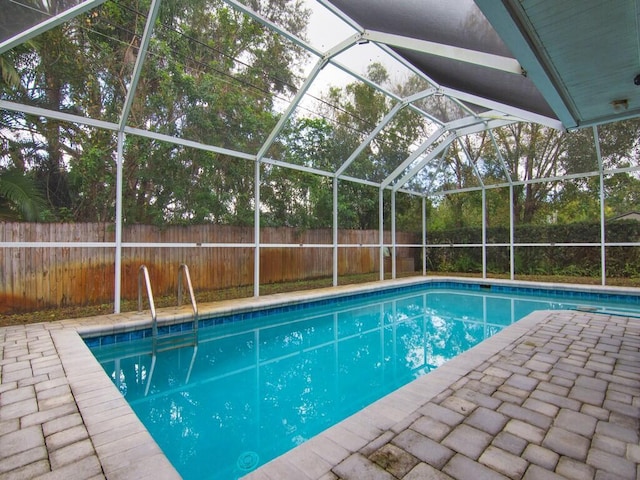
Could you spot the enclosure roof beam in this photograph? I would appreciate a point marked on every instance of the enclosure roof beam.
(466, 129)
(48, 24)
(189, 143)
(446, 141)
(442, 193)
(137, 68)
(383, 123)
(506, 64)
(420, 95)
(517, 113)
(300, 168)
(57, 115)
(413, 157)
(485, 125)
(337, 49)
(463, 122)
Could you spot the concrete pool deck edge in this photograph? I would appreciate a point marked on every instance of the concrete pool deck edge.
(62, 417)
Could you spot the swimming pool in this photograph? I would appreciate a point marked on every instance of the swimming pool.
(260, 383)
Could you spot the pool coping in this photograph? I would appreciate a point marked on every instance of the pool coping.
(115, 444)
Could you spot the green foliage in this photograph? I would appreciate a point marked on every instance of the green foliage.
(409, 213)
(214, 76)
(211, 75)
(9, 77)
(20, 198)
(540, 260)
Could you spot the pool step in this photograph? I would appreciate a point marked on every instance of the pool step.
(154, 358)
(170, 341)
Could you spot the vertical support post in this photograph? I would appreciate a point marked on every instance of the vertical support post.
(117, 291)
(381, 231)
(393, 235)
(335, 231)
(511, 218)
(124, 115)
(512, 267)
(603, 230)
(424, 236)
(603, 233)
(256, 231)
(484, 233)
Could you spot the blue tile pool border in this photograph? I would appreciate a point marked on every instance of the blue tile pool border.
(561, 293)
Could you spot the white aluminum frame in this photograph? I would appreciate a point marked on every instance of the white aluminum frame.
(429, 153)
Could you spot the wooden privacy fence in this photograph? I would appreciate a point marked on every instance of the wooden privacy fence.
(35, 277)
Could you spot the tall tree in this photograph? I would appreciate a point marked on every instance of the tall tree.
(531, 151)
(211, 75)
(295, 198)
(354, 111)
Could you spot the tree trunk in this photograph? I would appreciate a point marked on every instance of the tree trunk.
(53, 174)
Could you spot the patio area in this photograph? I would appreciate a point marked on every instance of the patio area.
(556, 395)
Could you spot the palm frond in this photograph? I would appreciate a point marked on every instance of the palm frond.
(10, 76)
(20, 193)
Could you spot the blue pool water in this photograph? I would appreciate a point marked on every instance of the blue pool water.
(258, 387)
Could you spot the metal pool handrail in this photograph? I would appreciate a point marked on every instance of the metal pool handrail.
(183, 272)
(143, 272)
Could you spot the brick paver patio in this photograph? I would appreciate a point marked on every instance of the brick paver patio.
(556, 395)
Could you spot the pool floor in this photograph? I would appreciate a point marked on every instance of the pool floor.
(556, 393)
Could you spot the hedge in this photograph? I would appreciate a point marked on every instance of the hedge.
(539, 260)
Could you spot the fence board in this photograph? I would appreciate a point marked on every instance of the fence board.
(43, 277)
